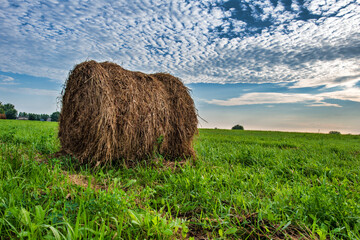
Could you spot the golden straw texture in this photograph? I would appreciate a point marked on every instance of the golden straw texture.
(109, 113)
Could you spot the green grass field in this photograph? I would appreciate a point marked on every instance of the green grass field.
(244, 185)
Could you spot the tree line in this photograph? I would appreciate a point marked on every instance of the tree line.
(8, 111)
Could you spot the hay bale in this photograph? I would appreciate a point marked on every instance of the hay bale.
(109, 113)
(2, 116)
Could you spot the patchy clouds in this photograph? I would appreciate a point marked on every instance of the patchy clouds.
(310, 43)
(308, 49)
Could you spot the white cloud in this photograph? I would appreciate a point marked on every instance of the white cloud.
(313, 100)
(31, 91)
(270, 98)
(43, 92)
(327, 7)
(7, 80)
(4, 78)
(182, 38)
(349, 94)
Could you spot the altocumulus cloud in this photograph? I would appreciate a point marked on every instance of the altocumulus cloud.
(315, 43)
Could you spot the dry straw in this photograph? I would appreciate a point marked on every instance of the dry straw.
(109, 113)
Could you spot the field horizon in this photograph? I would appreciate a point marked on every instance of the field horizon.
(280, 131)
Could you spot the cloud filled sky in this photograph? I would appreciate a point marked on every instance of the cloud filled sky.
(271, 64)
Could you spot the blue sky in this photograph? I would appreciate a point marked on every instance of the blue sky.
(289, 65)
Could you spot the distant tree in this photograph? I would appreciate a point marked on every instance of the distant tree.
(44, 116)
(23, 114)
(10, 111)
(37, 117)
(2, 110)
(55, 116)
(237, 127)
(32, 116)
(335, 132)
(8, 106)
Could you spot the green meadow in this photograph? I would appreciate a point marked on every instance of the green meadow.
(243, 185)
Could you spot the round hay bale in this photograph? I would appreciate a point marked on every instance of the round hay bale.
(109, 113)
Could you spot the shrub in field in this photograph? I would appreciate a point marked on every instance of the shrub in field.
(237, 127)
(110, 113)
(335, 132)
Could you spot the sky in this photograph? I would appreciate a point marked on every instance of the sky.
(281, 65)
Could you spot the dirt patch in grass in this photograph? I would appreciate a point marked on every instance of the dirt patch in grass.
(163, 164)
(41, 159)
(356, 153)
(84, 181)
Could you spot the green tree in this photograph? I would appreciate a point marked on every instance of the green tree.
(10, 111)
(238, 127)
(32, 116)
(44, 116)
(2, 110)
(23, 114)
(55, 116)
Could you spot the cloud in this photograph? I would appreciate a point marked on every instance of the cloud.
(272, 98)
(313, 100)
(4, 78)
(55, 36)
(349, 94)
(7, 80)
(310, 44)
(31, 91)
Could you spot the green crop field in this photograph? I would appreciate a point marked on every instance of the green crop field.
(243, 185)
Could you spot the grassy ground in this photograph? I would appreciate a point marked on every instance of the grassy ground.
(244, 185)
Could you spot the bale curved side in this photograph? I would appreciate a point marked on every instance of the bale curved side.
(182, 117)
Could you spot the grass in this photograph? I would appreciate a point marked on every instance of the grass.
(244, 185)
